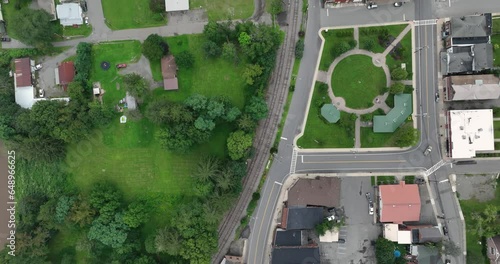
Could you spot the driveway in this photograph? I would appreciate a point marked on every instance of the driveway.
(359, 229)
(143, 68)
(46, 76)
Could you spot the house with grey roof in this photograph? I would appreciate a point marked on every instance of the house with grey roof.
(288, 238)
(294, 255)
(471, 87)
(467, 59)
(70, 14)
(301, 218)
(47, 5)
(468, 30)
(403, 107)
(493, 249)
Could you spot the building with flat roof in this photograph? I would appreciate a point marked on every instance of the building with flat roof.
(301, 218)
(294, 255)
(471, 87)
(469, 131)
(403, 107)
(399, 203)
(323, 191)
(287, 238)
(70, 14)
(394, 234)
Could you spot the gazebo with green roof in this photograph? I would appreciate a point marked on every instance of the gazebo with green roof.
(403, 108)
(330, 113)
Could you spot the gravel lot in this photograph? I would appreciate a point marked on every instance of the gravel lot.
(480, 187)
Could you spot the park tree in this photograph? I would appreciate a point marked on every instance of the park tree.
(238, 144)
(185, 60)
(251, 72)
(154, 47)
(397, 88)
(162, 112)
(218, 32)
(406, 135)
(83, 62)
(256, 108)
(204, 124)
(229, 52)
(39, 148)
(487, 222)
(207, 169)
(299, 49)
(231, 114)
(384, 251)
(246, 123)
(33, 27)
(81, 212)
(197, 102)
(276, 7)
(167, 240)
(135, 84)
(111, 233)
(368, 44)
(339, 48)
(265, 40)
(136, 213)
(399, 74)
(211, 49)
(63, 207)
(244, 39)
(215, 108)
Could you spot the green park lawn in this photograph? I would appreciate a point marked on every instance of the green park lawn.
(367, 33)
(224, 9)
(358, 81)
(476, 251)
(123, 14)
(208, 76)
(318, 133)
(331, 38)
(407, 56)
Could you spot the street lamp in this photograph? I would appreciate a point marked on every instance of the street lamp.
(421, 48)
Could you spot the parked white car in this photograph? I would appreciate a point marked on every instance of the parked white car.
(370, 209)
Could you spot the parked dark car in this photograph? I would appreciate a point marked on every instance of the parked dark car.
(445, 230)
(5, 39)
(419, 181)
(341, 241)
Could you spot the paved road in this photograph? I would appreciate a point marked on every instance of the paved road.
(394, 161)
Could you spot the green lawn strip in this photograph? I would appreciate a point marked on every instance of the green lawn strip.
(366, 33)
(475, 251)
(81, 31)
(209, 77)
(318, 133)
(497, 145)
(373, 180)
(358, 81)
(496, 128)
(283, 119)
(123, 14)
(331, 38)
(370, 139)
(386, 180)
(495, 39)
(409, 179)
(496, 25)
(223, 9)
(406, 58)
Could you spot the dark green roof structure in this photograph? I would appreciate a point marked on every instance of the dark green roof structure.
(330, 113)
(403, 108)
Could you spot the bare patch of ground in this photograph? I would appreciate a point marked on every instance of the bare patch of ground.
(479, 187)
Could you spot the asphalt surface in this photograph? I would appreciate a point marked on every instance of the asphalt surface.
(292, 160)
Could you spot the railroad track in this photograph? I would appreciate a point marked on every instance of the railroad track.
(276, 95)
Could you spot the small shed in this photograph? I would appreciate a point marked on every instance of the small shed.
(330, 113)
(130, 101)
(176, 5)
(65, 73)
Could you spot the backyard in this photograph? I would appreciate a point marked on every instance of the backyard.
(333, 38)
(495, 40)
(476, 252)
(207, 77)
(320, 134)
(133, 158)
(123, 14)
(358, 81)
(223, 9)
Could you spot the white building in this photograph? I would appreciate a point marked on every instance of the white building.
(70, 14)
(23, 84)
(176, 5)
(470, 131)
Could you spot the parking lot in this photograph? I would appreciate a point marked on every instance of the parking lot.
(360, 228)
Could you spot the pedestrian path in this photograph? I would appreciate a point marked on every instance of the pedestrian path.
(397, 40)
(357, 133)
(356, 36)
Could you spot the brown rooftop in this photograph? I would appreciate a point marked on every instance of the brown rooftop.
(169, 73)
(323, 191)
(66, 73)
(23, 72)
(399, 203)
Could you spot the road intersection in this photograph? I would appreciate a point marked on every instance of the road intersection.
(290, 159)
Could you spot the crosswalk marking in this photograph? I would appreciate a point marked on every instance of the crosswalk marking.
(425, 22)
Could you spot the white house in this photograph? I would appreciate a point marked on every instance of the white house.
(176, 5)
(70, 14)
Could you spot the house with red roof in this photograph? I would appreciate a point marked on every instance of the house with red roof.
(65, 73)
(399, 203)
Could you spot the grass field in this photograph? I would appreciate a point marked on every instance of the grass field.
(476, 251)
(331, 38)
(355, 76)
(123, 14)
(224, 9)
(386, 180)
(81, 31)
(318, 133)
(208, 76)
(128, 154)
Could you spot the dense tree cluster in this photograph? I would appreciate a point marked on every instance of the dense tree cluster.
(33, 27)
(397, 88)
(406, 135)
(135, 84)
(83, 62)
(154, 47)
